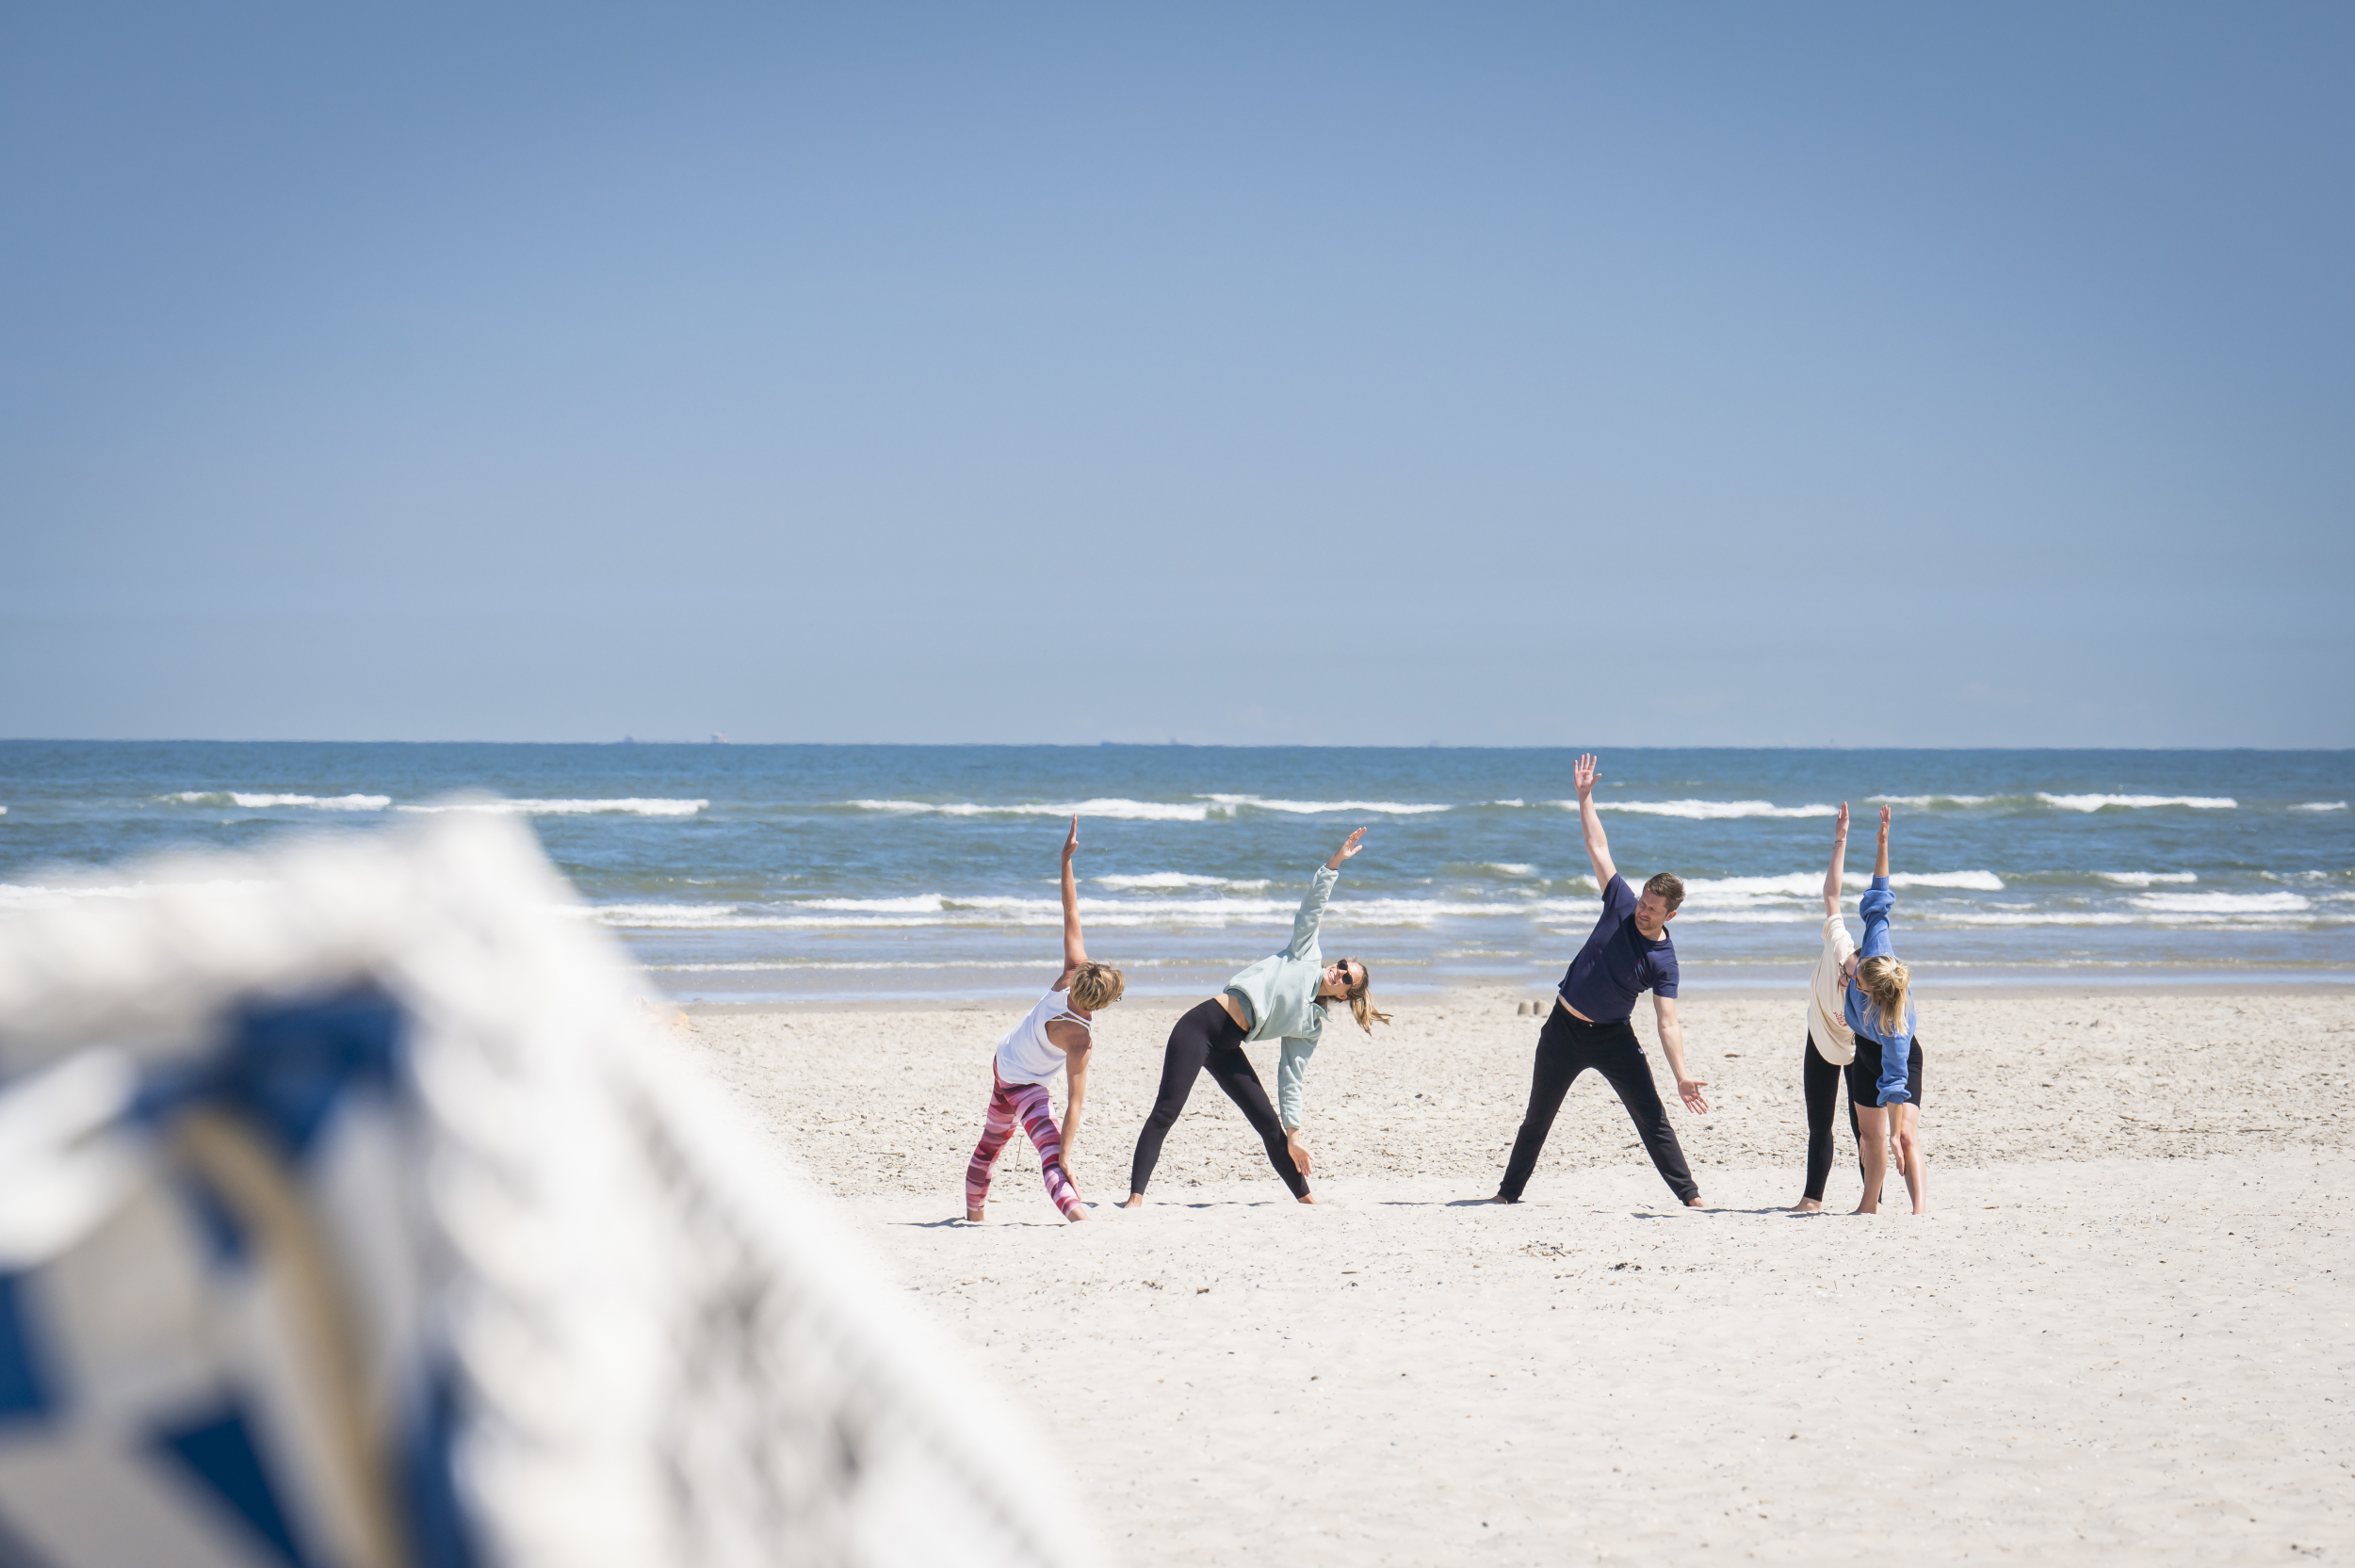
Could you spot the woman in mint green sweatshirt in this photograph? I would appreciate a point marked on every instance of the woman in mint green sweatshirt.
(1283, 996)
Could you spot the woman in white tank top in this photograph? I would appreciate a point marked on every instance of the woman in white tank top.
(1056, 1036)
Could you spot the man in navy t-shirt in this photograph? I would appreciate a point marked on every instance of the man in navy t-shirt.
(1629, 954)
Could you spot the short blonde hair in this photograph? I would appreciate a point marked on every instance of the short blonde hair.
(1886, 980)
(1096, 985)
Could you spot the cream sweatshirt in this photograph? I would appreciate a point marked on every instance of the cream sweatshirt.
(1826, 1009)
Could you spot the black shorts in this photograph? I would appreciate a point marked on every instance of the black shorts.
(1864, 1073)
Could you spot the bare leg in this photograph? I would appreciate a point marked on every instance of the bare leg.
(1908, 1127)
(1872, 1140)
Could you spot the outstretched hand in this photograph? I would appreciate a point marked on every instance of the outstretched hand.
(1582, 774)
(1691, 1091)
(1071, 842)
(1884, 824)
(1839, 827)
(1349, 846)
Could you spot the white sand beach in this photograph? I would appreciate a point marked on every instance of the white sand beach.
(2125, 1334)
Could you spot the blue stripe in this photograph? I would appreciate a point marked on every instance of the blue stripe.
(284, 1070)
(218, 1452)
(439, 1532)
(17, 1552)
(25, 1389)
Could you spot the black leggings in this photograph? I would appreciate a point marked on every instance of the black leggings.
(1823, 1088)
(1207, 1037)
(1566, 1048)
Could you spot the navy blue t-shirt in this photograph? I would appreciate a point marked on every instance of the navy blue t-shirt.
(1617, 965)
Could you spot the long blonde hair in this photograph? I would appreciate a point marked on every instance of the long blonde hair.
(1886, 980)
(1361, 998)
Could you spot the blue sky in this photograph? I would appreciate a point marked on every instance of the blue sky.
(1694, 375)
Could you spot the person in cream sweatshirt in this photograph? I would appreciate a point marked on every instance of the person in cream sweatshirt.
(1830, 1043)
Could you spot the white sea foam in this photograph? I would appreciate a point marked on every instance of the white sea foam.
(1135, 811)
(1810, 884)
(1976, 882)
(1148, 879)
(1508, 802)
(22, 896)
(752, 968)
(633, 806)
(2145, 878)
(1728, 889)
(950, 910)
(1510, 867)
(1326, 808)
(2137, 802)
(2308, 805)
(256, 801)
(2222, 903)
(2038, 917)
(1708, 811)
(1745, 916)
(1929, 799)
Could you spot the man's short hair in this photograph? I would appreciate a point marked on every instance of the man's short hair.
(1670, 890)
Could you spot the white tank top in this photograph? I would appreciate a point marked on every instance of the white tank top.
(1026, 1055)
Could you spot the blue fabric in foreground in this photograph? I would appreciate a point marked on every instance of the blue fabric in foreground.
(219, 1451)
(17, 1552)
(23, 1390)
(283, 1070)
(438, 1532)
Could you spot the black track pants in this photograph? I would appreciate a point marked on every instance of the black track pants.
(1207, 1037)
(1565, 1048)
(1823, 1089)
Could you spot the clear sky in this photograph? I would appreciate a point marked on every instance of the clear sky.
(1695, 373)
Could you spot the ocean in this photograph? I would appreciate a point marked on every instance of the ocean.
(768, 873)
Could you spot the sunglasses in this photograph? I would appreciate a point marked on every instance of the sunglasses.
(1351, 978)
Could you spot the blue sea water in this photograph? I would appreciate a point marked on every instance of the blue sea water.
(837, 872)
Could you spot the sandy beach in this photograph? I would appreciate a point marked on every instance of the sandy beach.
(2124, 1335)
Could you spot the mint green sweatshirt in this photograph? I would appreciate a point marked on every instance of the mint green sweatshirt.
(1279, 996)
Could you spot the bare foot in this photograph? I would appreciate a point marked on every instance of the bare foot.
(1865, 1209)
(1136, 1200)
(1807, 1205)
(1308, 1197)
(1696, 1203)
(1501, 1198)
(973, 1216)
(1077, 1214)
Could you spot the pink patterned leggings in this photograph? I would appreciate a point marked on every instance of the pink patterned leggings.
(1031, 1102)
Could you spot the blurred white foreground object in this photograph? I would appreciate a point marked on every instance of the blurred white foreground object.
(350, 1216)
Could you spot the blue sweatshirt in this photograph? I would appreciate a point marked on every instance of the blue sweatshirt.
(1864, 1014)
(1279, 994)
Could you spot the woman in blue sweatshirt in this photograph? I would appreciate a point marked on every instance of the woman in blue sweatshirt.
(1885, 1079)
(1283, 996)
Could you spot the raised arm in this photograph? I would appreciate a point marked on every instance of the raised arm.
(1877, 901)
(1598, 846)
(1075, 948)
(1311, 915)
(1839, 862)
